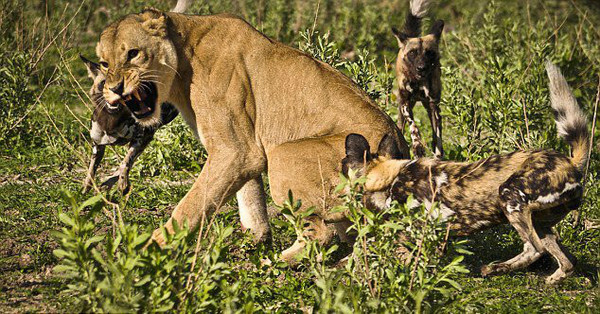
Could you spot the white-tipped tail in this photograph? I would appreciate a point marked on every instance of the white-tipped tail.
(571, 121)
(181, 6)
(419, 8)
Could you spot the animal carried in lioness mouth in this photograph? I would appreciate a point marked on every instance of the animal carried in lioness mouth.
(418, 74)
(531, 190)
(255, 104)
(113, 124)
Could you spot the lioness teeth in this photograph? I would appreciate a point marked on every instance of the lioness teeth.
(137, 95)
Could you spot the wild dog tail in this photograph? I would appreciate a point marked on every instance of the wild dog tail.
(181, 6)
(571, 121)
(418, 9)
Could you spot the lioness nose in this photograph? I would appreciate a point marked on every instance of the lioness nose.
(118, 89)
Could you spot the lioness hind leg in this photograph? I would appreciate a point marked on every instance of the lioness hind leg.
(253, 210)
(310, 169)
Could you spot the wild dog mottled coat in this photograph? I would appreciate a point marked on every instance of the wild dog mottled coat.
(418, 75)
(531, 190)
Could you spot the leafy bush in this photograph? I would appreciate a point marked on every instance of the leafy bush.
(114, 274)
(16, 98)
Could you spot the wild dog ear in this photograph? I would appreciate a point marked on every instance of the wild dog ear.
(93, 68)
(154, 22)
(388, 148)
(400, 36)
(436, 29)
(358, 152)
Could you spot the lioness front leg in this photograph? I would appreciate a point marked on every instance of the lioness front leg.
(223, 174)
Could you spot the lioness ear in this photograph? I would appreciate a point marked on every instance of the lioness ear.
(400, 36)
(155, 22)
(93, 68)
(388, 148)
(436, 29)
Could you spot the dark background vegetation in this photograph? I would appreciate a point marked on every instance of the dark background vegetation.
(494, 100)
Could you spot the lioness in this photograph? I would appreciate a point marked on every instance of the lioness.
(255, 104)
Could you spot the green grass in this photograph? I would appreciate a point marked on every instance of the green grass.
(492, 68)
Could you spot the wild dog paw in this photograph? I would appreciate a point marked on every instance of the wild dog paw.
(123, 185)
(557, 277)
(494, 269)
(110, 182)
(87, 185)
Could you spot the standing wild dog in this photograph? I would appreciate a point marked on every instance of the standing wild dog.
(531, 190)
(114, 125)
(418, 74)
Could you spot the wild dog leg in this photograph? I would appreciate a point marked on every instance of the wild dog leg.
(524, 259)
(121, 176)
(560, 254)
(417, 143)
(253, 210)
(97, 155)
(433, 110)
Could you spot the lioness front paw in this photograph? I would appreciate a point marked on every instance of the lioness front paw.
(157, 237)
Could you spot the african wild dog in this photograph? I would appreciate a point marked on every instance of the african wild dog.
(114, 125)
(531, 190)
(418, 75)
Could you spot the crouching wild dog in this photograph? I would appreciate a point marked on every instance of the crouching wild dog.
(115, 125)
(418, 75)
(531, 190)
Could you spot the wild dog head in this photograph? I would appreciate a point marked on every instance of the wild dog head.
(98, 81)
(419, 56)
(139, 62)
(380, 168)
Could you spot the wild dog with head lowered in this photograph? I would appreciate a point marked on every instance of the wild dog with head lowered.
(418, 75)
(531, 190)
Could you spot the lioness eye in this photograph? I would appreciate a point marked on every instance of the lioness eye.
(132, 54)
(104, 64)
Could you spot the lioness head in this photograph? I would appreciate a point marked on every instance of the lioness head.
(139, 62)
(420, 55)
(379, 168)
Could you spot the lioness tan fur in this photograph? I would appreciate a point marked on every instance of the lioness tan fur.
(255, 104)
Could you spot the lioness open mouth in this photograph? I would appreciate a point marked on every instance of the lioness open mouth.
(142, 101)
